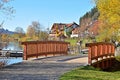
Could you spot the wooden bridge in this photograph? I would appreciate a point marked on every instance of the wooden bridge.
(101, 55)
(44, 48)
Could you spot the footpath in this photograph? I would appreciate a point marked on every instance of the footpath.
(50, 68)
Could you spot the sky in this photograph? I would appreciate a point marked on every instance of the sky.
(46, 12)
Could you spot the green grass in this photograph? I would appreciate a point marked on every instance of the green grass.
(90, 73)
(72, 41)
(118, 58)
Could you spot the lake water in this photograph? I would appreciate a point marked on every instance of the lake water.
(12, 60)
(12, 46)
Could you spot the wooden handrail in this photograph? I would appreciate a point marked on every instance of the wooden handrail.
(99, 52)
(38, 48)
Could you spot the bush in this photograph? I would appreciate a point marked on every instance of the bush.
(3, 62)
(118, 58)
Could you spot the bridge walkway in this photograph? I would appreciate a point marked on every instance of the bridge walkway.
(50, 68)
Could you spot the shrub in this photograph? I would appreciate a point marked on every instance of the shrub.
(3, 62)
(118, 58)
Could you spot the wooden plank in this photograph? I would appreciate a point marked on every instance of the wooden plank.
(101, 51)
(37, 48)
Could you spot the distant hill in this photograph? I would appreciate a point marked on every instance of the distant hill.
(5, 31)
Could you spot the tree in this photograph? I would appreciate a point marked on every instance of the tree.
(68, 31)
(43, 35)
(19, 32)
(109, 18)
(36, 26)
(30, 31)
(5, 8)
(5, 37)
(34, 30)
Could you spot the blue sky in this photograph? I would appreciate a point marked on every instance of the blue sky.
(46, 12)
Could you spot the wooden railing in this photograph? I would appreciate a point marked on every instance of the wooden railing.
(44, 48)
(101, 55)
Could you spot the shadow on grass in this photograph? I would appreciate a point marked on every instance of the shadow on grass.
(114, 68)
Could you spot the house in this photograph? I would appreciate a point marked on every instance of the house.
(75, 33)
(56, 31)
(62, 30)
(71, 28)
(94, 28)
(90, 30)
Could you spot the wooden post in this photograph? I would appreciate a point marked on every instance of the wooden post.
(37, 50)
(25, 52)
(95, 51)
(103, 52)
(89, 56)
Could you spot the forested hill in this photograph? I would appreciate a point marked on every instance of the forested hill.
(88, 18)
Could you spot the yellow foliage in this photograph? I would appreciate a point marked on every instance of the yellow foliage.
(110, 18)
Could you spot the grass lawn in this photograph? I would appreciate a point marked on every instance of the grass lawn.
(72, 41)
(90, 73)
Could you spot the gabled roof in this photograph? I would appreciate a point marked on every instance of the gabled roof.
(61, 25)
(69, 25)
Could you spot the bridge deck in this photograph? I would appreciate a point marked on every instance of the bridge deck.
(50, 68)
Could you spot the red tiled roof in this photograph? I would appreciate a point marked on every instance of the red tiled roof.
(69, 25)
(61, 25)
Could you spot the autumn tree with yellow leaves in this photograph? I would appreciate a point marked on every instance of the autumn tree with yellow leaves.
(109, 19)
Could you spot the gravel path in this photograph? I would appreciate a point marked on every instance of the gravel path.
(42, 69)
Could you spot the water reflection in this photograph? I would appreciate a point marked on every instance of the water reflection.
(11, 60)
(14, 46)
